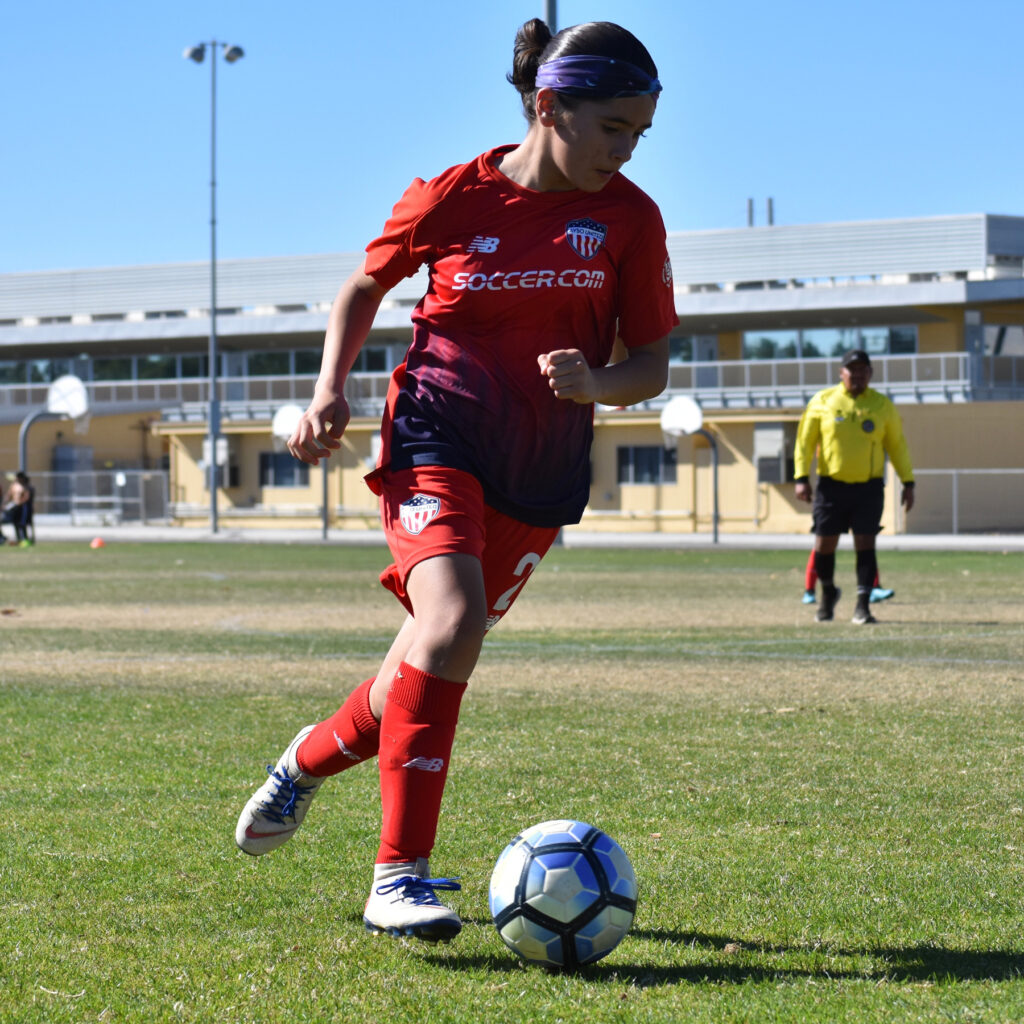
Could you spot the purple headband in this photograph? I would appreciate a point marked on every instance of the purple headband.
(603, 76)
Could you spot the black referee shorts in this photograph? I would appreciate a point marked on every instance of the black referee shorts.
(839, 507)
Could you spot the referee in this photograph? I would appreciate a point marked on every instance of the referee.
(852, 427)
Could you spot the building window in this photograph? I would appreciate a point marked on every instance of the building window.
(646, 464)
(112, 368)
(46, 371)
(157, 367)
(902, 341)
(307, 360)
(770, 344)
(281, 469)
(829, 342)
(1004, 340)
(680, 349)
(875, 340)
(822, 342)
(268, 364)
(193, 366)
(372, 359)
(13, 373)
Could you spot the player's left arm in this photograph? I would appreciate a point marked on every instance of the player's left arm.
(641, 375)
(896, 448)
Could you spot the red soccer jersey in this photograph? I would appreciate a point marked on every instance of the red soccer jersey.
(513, 274)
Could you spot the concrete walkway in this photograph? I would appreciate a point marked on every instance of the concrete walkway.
(573, 537)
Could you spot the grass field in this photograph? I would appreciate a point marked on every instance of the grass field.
(827, 821)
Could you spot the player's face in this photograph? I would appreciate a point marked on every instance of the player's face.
(855, 377)
(594, 139)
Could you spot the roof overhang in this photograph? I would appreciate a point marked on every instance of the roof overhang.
(818, 305)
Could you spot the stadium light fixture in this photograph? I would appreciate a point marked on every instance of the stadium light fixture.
(198, 54)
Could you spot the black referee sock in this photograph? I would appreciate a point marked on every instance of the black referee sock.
(867, 570)
(825, 567)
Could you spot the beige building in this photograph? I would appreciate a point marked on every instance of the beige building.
(764, 313)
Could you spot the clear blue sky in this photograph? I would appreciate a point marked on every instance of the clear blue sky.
(839, 111)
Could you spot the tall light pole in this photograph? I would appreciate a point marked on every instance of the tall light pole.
(198, 54)
(551, 15)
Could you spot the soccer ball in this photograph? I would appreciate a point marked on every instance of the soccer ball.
(562, 894)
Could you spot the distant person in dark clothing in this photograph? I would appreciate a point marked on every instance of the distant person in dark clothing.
(17, 509)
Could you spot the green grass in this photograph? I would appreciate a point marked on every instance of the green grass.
(827, 822)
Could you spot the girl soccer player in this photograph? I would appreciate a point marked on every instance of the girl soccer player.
(540, 255)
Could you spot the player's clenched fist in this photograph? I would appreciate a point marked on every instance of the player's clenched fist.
(568, 374)
(319, 428)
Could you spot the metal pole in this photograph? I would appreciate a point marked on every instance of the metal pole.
(39, 414)
(710, 438)
(198, 54)
(551, 15)
(324, 523)
(714, 486)
(956, 502)
(213, 429)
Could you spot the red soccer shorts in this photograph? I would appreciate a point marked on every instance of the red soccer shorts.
(433, 510)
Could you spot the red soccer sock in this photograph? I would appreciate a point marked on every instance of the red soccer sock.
(416, 737)
(349, 736)
(810, 573)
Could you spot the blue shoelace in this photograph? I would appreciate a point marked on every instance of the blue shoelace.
(286, 796)
(419, 891)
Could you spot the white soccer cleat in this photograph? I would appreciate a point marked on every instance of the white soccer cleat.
(403, 901)
(275, 811)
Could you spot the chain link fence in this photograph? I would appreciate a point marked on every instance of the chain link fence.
(103, 497)
(967, 501)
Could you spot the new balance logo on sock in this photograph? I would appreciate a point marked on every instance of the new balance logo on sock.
(425, 764)
(350, 754)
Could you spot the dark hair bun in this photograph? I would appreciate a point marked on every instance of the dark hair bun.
(531, 41)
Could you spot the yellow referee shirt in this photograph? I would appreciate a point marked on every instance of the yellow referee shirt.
(852, 437)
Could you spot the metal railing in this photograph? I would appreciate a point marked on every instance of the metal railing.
(947, 376)
(791, 382)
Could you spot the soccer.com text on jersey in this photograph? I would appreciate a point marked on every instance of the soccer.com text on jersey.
(512, 279)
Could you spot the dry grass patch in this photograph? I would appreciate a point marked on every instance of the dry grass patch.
(777, 687)
(200, 674)
(774, 686)
(232, 617)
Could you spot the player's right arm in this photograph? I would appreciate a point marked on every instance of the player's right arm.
(320, 427)
(807, 435)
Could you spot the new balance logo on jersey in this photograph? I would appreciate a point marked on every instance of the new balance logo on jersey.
(425, 764)
(483, 243)
(350, 754)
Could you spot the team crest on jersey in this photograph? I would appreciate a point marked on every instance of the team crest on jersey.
(585, 236)
(418, 511)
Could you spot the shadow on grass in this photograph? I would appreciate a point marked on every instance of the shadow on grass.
(908, 964)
